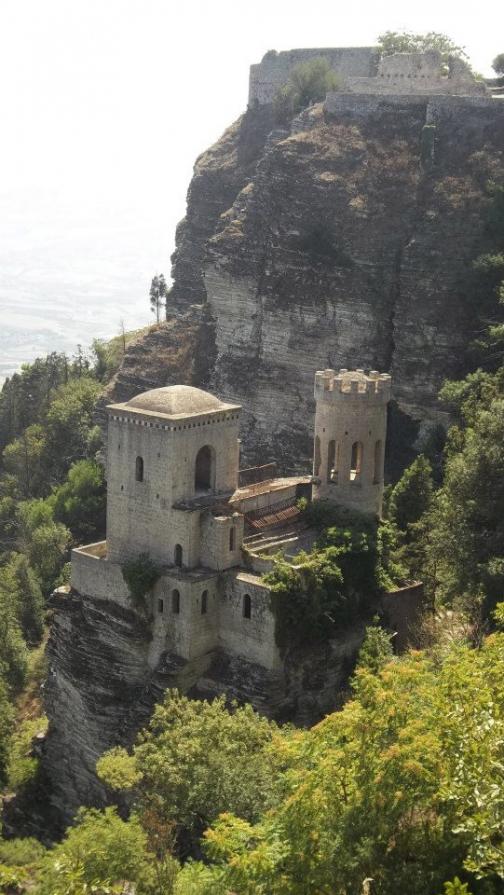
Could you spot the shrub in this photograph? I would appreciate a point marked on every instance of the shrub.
(140, 575)
(308, 82)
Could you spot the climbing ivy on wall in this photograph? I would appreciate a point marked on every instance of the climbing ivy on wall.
(140, 575)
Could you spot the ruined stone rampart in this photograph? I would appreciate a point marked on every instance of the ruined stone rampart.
(274, 69)
(418, 73)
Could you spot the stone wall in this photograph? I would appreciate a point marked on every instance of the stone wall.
(140, 517)
(417, 73)
(274, 69)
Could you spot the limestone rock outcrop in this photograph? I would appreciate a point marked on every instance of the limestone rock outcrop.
(347, 243)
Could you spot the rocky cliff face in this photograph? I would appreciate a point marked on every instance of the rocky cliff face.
(342, 241)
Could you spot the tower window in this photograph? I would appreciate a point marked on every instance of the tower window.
(247, 606)
(204, 602)
(160, 606)
(378, 462)
(178, 555)
(231, 539)
(139, 469)
(356, 461)
(175, 602)
(316, 459)
(204, 470)
(332, 461)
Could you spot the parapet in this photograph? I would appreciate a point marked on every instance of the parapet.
(352, 384)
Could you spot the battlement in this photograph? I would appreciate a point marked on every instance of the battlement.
(350, 384)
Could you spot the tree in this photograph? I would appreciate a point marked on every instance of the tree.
(308, 82)
(97, 854)
(391, 42)
(6, 727)
(466, 522)
(19, 582)
(412, 495)
(24, 459)
(79, 503)
(403, 785)
(376, 649)
(158, 293)
(197, 759)
(498, 64)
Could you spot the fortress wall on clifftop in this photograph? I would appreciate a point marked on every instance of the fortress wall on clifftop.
(273, 71)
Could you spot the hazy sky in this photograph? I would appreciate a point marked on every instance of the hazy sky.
(104, 106)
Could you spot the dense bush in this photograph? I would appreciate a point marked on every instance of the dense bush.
(308, 82)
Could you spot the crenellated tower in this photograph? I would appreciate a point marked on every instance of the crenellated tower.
(350, 432)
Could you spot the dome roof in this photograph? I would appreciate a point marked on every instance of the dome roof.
(176, 400)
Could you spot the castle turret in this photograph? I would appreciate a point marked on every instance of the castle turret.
(350, 431)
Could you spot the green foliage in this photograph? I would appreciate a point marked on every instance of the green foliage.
(391, 42)
(498, 64)
(140, 575)
(6, 725)
(80, 502)
(412, 495)
(22, 766)
(403, 786)
(19, 587)
(308, 83)
(43, 541)
(324, 591)
(21, 852)
(157, 294)
(376, 650)
(118, 769)
(71, 434)
(456, 888)
(101, 850)
(466, 523)
(13, 651)
(23, 459)
(197, 759)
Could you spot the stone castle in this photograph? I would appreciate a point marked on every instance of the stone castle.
(362, 70)
(175, 493)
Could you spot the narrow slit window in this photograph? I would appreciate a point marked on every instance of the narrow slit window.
(231, 539)
(247, 606)
(204, 602)
(356, 461)
(160, 606)
(378, 463)
(178, 555)
(175, 602)
(316, 459)
(332, 464)
(139, 469)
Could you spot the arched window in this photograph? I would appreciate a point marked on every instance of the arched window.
(204, 469)
(204, 602)
(175, 602)
(139, 469)
(378, 462)
(178, 555)
(160, 606)
(316, 459)
(231, 539)
(247, 606)
(356, 461)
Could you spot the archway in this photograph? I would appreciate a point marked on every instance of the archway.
(204, 469)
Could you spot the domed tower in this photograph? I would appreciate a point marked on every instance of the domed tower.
(350, 431)
(172, 454)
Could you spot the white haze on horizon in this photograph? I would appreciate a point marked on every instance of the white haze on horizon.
(104, 106)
